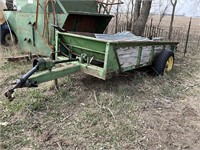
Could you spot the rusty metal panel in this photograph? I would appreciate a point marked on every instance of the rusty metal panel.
(83, 22)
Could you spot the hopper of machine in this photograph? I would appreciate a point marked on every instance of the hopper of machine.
(35, 22)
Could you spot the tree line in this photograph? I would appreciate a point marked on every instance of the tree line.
(138, 11)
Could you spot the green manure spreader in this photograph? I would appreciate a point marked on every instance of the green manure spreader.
(79, 45)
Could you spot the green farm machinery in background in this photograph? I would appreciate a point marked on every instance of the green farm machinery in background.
(71, 34)
(34, 22)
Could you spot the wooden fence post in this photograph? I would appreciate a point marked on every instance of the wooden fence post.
(187, 37)
(150, 27)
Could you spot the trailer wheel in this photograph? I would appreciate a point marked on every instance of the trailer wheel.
(164, 62)
(6, 38)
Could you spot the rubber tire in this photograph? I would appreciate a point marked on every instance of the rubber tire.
(160, 61)
(3, 40)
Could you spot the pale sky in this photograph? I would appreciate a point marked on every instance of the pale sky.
(187, 7)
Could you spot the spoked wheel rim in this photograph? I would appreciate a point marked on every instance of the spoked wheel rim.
(169, 64)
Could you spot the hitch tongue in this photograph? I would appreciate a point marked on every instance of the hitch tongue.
(38, 65)
(21, 82)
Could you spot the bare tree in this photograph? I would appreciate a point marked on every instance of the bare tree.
(173, 3)
(141, 13)
(128, 14)
(196, 6)
(117, 17)
(132, 11)
(163, 7)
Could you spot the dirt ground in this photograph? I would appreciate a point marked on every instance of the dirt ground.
(134, 110)
(174, 123)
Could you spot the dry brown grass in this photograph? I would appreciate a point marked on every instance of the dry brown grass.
(180, 22)
(132, 111)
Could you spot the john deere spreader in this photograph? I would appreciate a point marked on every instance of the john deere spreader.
(71, 34)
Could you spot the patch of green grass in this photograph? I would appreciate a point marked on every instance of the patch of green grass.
(12, 135)
(36, 105)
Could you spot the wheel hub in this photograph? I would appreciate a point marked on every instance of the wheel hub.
(9, 40)
(169, 64)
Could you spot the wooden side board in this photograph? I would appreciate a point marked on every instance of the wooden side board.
(138, 55)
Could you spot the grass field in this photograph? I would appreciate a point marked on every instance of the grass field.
(180, 22)
(134, 110)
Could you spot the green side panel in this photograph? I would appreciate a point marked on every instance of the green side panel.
(31, 39)
(111, 62)
(21, 24)
(24, 6)
(84, 45)
(69, 5)
(100, 50)
(77, 5)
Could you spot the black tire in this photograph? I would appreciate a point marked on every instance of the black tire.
(6, 38)
(160, 63)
